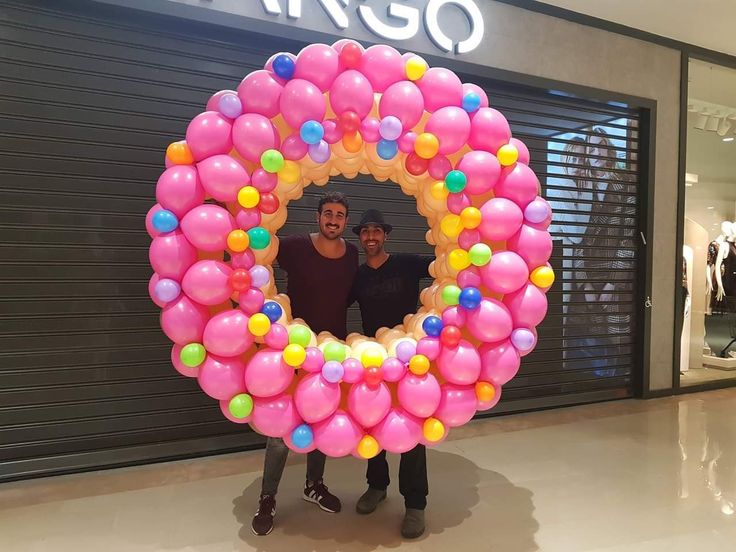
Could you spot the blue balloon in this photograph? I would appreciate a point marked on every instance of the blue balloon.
(387, 149)
(272, 310)
(165, 221)
(432, 326)
(302, 436)
(471, 102)
(312, 132)
(470, 298)
(283, 66)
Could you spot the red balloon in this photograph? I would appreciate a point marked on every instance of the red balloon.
(373, 376)
(351, 55)
(240, 279)
(450, 336)
(349, 122)
(416, 165)
(269, 203)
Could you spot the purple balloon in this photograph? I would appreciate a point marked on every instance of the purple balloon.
(230, 106)
(405, 350)
(320, 153)
(522, 339)
(390, 128)
(332, 371)
(167, 290)
(537, 211)
(259, 276)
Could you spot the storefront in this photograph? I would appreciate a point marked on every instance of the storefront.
(96, 90)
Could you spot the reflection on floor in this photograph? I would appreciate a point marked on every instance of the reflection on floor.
(696, 376)
(641, 476)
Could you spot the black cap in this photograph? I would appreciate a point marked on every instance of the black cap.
(374, 217)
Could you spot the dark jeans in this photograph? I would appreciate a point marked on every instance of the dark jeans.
(413, 483)
(275, 460)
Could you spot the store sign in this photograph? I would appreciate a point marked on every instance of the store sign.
(400, 23)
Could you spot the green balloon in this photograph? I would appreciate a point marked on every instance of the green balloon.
(192, 355)
(335, 351)
(241, 406)
(272, 161)
(259, 237)
(299, 335)
(456, 181)
(451, 295)
(480, 254)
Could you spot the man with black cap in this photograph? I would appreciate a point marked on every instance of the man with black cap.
(387, 289)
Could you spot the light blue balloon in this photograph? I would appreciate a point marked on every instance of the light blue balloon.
(471, 102)
(165, 221)
(387, 149)
(311, 132)
(302, 436)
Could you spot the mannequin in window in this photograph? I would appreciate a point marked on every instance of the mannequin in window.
(725, 269)
(714, 265)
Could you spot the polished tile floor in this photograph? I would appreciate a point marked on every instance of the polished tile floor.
(630, 476)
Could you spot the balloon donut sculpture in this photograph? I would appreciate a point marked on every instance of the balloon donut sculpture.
(332, 110)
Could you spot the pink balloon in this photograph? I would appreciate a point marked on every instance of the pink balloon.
(454, 316)
(404, 101)
(429, 347)
(489, 130)
(370, 130)
(470, 87)
(468, 238)
(221, 378)
(487, 405)
(469, 277)
(333, 134)
(505, 273)
(353, 370)
(225, 409)
(527, 306)
(398, 432)
(302, 101)
(457, 405)
(459, 365)
(500, 219)
(406, 142)
(274, 416)
(277, 337)
(183, 369)
(149, 221)
(260, 92)
(482, 171)
(451, 126)
(439, 166)
(419, 395)
(499, 362)
(268, 66)
(533, 245)
(440, 88)
(179, 190)
(267, 374)
(338, 435)
(369, 405)
(351, 91)
(294, 148)
(207, 227)
(314, 360)
(183, 321)
(490, 322)
(213, 103)
(208, 282)
(227, 334)
(245, 260)
(222, 177)
(393, 369)
(317, 63)
(251, 300)
(519, 184)
(171, 255)
(522, 149)
(457, 202)
(209, 133)
(264, 181)
(253, 134)
(315, 398)
(151, 290)
(247, 219)
(383, 66)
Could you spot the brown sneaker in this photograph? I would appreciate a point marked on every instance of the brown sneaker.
(317, 492)
(369, 501)
(263, 520)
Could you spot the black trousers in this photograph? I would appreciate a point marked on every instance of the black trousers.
(413, 484)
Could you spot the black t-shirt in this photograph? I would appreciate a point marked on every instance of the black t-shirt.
(388, 293)
(318, 287)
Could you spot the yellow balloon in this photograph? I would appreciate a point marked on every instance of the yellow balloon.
(439, 191)
(459, 259)
(451, 225)
(542, 276)
(368, 447)
(259, 324)
(433, 430)
(427, 145)
(470, 217)
(294, 355)
(290, 172)
(484, 391)
(415, 68)
(419, 365)
(248, 197)
(238, 241)
(371, 357)
(507, 155)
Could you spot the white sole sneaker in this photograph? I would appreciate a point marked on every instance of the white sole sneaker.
(315, 501)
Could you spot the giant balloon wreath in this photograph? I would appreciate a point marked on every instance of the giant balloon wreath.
(344, 110)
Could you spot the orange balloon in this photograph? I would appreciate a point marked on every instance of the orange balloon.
(238, 241)
(352, 143)
(179, 153)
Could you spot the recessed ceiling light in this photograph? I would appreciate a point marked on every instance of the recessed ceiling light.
(711, 207)
(729, 139)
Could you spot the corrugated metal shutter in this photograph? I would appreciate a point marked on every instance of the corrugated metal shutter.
(90, 99)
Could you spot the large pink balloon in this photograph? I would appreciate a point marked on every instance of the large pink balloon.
(179, 190)
(171, 255)
(208, 282)
(183, 369)
(208, 226)
(260, 93)
(383, 66)
(506, 273)
(351, 91)
(499, 362)
(274, 416)
(369, 405)
(222, 177)
(527, 306)
(451, 126)
(317, 63)
(501, 218)
(470, 87)
(440, 88)
(398, 432)
(315, 398)
(184, 321)
(490, 322)
(482, 171)
(533, 245)
(519, 184)
(489, 130)
(419, 395)
(338, 435)
(404, 101)
(461, 364)
(457, 405)
(253, 134)
(209, 133)
(267, 374)
(213, 104)
(227, 334)
(301, 101)
(221, 378)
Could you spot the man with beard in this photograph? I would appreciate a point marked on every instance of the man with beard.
(320, 269)
(387, 289)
